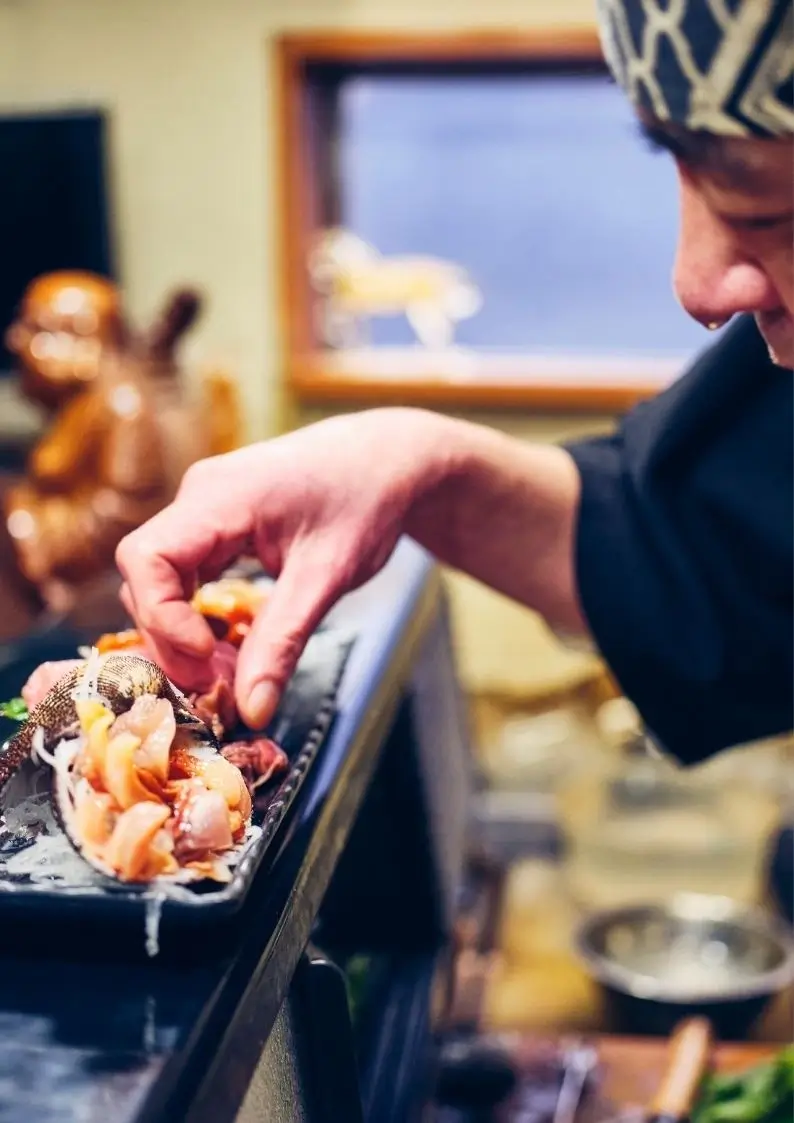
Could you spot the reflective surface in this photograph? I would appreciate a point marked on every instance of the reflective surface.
(697, 953)
(694, 947)
(93, 1041)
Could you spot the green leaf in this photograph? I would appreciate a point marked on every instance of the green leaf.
(763, 1094)
(15, 709)
(356, 972)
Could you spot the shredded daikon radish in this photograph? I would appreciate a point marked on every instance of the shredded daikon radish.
(27, 814)
(33, 811)
(232, 857)
(202, 752)
(23, 797)
(60, 760)
(87, 689)
(154, 912)
(49, 856)
(51, 860)
(37, 744)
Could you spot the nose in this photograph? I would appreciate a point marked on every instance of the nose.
(714, 279)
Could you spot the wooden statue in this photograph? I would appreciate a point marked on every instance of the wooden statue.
(123, 429)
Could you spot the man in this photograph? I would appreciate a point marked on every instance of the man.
(669, 543)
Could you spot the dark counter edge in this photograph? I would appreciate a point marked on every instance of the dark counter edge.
(237, 1020)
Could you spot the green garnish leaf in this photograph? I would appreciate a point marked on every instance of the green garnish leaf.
(763, 1094)
(15, 709)
(357, 971)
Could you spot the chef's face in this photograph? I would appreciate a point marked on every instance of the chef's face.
(736, 242)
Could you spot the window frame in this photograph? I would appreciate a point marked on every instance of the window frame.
(304, 122)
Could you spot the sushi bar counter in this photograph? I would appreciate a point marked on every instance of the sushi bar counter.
(369, 955)
(308, 993)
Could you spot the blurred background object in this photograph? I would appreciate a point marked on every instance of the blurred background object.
(693, 955)
(644, 829)
(119, 431)
(359, 284)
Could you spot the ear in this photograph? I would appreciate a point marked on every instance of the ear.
(15, 337)
(178, 316)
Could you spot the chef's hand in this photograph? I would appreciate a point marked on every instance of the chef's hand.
(322, 508)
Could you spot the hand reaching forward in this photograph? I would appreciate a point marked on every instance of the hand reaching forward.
(322, 508)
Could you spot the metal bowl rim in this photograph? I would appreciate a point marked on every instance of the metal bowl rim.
(647, 987)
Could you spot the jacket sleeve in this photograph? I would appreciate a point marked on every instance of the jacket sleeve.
(684, 551)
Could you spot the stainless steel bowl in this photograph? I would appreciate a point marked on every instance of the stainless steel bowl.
(696, 954)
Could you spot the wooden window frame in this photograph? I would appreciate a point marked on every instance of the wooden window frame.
(311, 375)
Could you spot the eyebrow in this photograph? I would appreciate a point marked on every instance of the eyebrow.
(695, 149)
(703, 152)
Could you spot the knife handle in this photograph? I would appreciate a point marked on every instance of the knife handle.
(687, 1060)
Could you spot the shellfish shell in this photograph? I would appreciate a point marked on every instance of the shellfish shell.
(115, 681)
(120, 680)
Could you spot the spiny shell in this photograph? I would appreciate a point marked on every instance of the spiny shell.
(120, 680)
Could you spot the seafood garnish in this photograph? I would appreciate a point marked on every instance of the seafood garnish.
(229, 605)
(258, 760)
(233, 602)
(139, 784)
(215, 706)
(120, 641)
(14, 709)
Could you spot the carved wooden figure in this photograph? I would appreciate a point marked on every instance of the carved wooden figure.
(123, 428)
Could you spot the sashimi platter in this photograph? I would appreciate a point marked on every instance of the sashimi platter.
(115, 778)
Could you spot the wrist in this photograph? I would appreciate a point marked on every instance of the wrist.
(444, 456)
(503, 511)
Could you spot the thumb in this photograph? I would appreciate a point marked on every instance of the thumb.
(278, 635)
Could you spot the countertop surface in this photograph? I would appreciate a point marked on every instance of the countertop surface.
(85, 1041)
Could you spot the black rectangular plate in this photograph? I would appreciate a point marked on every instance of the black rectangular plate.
(300, 727)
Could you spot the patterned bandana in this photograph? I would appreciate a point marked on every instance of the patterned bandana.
(719, 66)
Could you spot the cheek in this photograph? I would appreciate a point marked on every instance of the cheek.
(775, 256)
(781, 271)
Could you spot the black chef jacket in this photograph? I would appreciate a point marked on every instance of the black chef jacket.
(685, 550)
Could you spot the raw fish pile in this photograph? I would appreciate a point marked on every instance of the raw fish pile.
(143, 784)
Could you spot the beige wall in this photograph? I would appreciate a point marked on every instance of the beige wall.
(187, 83)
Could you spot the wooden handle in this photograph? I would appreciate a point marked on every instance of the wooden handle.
(687, 1060)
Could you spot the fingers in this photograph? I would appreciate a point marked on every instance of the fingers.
(156, 592)
(299, 601)
(125, 596)
(175, 623)
(159, 563)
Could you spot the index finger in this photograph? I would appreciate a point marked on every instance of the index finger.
(187, 671)
(159, 562)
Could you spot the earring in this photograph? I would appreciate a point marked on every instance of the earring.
(712, 325)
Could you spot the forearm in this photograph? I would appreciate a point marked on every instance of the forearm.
(504, 511)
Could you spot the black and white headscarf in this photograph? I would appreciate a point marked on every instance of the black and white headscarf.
(719, 66)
